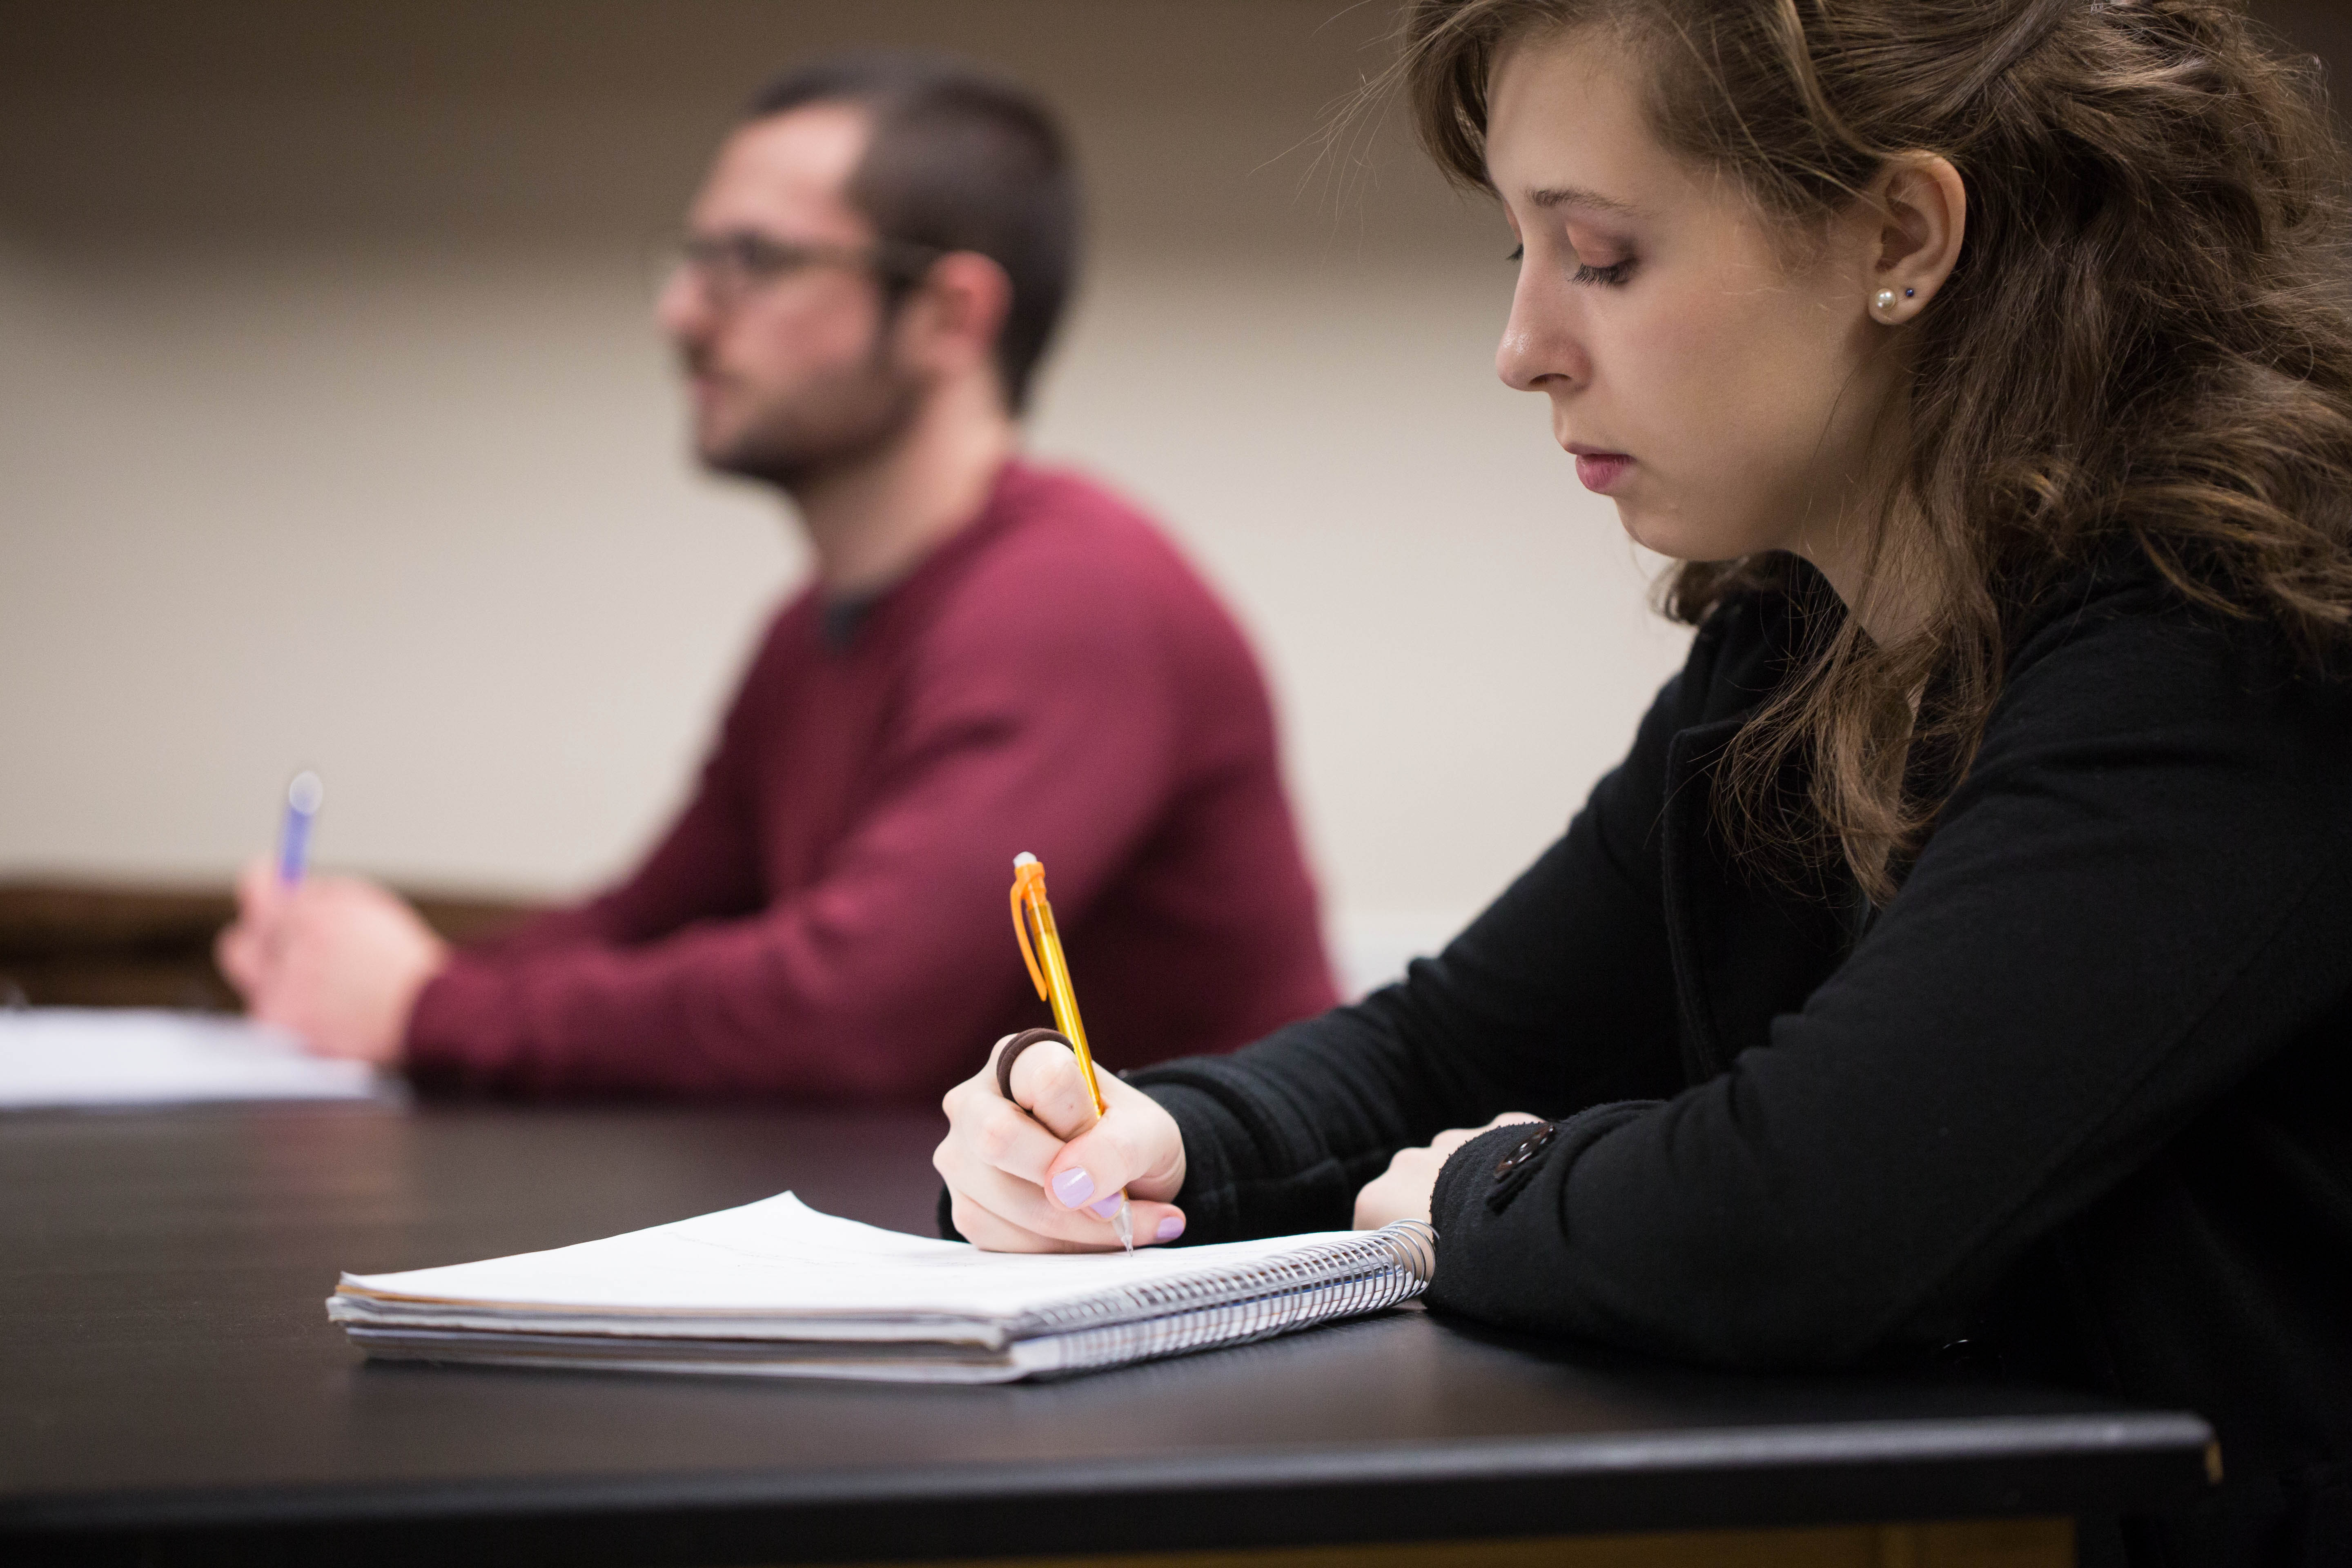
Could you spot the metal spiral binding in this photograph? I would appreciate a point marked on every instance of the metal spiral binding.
(1167, 1317)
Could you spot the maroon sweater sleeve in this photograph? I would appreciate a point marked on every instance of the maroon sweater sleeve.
(1039, 714)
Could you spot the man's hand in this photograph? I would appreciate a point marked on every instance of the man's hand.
(335, 960)
(1403, 1190)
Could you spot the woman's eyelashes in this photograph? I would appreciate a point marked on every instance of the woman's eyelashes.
(1614, 273)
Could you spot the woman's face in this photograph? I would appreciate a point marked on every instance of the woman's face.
(1721, 394)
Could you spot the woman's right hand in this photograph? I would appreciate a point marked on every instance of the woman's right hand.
(1040, 1172)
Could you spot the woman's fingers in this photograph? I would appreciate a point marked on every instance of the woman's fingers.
(1137, 1146)
(1022, 1206)
(1004, 1136)
(1403, 1191)
(1048, 1084)
(1025, 1189)
(1452, 1138)
(1102, 1153)
(1156, 1224)
(995, 1158)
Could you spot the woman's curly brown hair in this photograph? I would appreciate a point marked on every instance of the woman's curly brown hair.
(2146, 337)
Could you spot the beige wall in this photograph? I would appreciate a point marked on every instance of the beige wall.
(332, 432)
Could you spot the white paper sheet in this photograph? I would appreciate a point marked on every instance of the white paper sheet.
(136, 1056)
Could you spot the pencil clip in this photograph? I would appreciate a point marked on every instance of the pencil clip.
(1026, 871)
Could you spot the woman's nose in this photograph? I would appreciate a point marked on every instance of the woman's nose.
(1539, 350)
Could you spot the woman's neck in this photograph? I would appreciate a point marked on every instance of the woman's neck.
(1861, 544)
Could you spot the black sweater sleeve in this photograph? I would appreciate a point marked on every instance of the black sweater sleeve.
(2134, 896)
(1558, 997)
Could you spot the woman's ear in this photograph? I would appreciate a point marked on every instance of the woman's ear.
(1922, 205)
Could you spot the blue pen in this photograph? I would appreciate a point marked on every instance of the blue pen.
(302, 798)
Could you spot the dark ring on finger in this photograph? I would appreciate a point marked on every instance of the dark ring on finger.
(1015, 1047)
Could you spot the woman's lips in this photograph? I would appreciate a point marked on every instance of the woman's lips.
(1601, 470)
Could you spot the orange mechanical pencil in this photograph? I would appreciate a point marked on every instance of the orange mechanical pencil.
(1051, 972)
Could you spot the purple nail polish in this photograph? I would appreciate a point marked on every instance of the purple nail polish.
(1073, 1186)
(1171, 1226)
(1105, 1208)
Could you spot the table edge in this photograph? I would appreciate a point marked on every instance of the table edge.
(1817, 1446)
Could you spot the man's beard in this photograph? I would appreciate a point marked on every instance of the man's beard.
(823, 429)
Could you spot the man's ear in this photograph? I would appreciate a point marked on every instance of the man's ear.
(953, 322)
(1921, 205)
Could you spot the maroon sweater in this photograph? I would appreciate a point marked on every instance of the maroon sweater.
(828, 918)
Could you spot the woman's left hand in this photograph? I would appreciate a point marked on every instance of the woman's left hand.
(1403, 1192)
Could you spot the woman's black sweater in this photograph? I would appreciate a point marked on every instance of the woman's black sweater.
(2080, 1094)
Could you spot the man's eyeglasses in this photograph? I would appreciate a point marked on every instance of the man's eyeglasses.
(730, 266)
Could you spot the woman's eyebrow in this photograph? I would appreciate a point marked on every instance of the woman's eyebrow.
(1576, 197)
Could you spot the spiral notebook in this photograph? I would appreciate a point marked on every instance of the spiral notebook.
(777, 1289)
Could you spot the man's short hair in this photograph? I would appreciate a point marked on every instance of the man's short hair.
(958, 160)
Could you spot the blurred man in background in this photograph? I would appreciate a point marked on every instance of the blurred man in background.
(993, 657)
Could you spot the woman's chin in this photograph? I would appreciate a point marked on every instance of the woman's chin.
(1670, 534)
(1645, 528)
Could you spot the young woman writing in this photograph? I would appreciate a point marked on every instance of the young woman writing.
(1962, 957)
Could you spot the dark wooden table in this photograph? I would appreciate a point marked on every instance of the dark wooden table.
(171, 1391)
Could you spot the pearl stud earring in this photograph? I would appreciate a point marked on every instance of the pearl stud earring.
(1883, 300)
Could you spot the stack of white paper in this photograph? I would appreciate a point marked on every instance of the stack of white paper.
(104, 1056)
(777, 1288)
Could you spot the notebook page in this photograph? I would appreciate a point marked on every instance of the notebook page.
(144, 1056)
(779, 1257)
